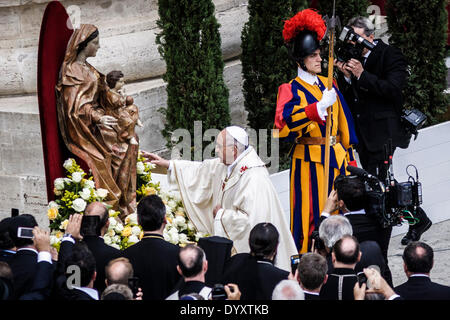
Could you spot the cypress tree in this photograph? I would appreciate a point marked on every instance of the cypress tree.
(345, 9)
(190, 44)
(419, 29)
(265, 61)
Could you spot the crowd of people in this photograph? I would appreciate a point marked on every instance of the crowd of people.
(85, 268)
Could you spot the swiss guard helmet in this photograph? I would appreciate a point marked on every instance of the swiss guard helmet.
(302, 34)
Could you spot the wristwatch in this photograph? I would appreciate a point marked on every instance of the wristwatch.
(68, 235)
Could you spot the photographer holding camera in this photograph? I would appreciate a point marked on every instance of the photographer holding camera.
(374, 75)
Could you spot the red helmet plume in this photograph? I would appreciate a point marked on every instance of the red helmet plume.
(307, 19)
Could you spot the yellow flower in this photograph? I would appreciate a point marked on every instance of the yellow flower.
(169, 220)
(52, 213)
(57, 192)
(64, 224)
(126, 232)
(150, 191)
(141, 235)
(59, 235)
(180, 213)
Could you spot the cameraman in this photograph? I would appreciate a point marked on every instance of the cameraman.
(372, 84)
(350, 198)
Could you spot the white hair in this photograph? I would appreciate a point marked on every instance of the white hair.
(364, 23)
(288, 290)
(332, 229)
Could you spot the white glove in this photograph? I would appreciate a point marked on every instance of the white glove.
(328, 99)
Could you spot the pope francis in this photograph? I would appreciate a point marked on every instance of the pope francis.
(227, 196)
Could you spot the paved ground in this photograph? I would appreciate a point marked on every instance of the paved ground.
(438, 237)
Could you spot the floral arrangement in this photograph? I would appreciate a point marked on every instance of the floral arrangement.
(77, 190)
(73, 194)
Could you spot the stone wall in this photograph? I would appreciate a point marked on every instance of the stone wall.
(127, 43)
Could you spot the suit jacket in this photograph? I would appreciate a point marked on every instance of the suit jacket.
(6, 256)
(155, 263)
(42, 284)
(376, 98)
(309, 296)
(23, 266)
(256, 279)
(103, 253)
(422, 288)
(330, 289)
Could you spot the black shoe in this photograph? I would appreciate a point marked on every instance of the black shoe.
(415, 232)
(407, 238)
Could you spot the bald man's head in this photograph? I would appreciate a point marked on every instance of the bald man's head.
(98, 209)
(118, 271)
(346, 250)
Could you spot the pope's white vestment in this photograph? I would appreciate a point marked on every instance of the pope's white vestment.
(246, 194)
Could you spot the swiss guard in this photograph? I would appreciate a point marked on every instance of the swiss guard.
(301, 113)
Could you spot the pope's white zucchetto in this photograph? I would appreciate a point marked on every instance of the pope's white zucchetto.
(239, 134)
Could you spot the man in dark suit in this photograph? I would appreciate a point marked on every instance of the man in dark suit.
(372, 86)
(43, 280)
(341, 282)
(154, 259)
(102, 252)
(312, 274)
(23, 263)
(417, 264)
(254, 272)
(192, 266)
(81, 273)
(7, 248)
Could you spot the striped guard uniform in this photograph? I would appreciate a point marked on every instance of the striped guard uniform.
(297, 116)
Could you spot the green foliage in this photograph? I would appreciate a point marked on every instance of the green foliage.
(419, 29)
(265, 61)
(190, 44)
(345, 9)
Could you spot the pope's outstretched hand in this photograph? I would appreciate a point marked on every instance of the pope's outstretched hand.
(155, 159)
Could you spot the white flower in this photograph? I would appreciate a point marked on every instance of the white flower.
(76, 177)
(115, 245)
(107, 239)
(112, 222)
(133, 239)
(102, 193)
(53, 240)
(198, 235)
(131, 219)
(85, 193)
(53, 204)
(183, 237)
(136, 230)
(190, 226)
(68, 164)
(172, 205)
(173, 236)
(168, 210)
(116, 239)
(59, 184)
(151, 166)
(180, 222)
(111, 233)
(140, 168)
(89, 184)
(118, 228)
(79, 205)
(67, 180)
